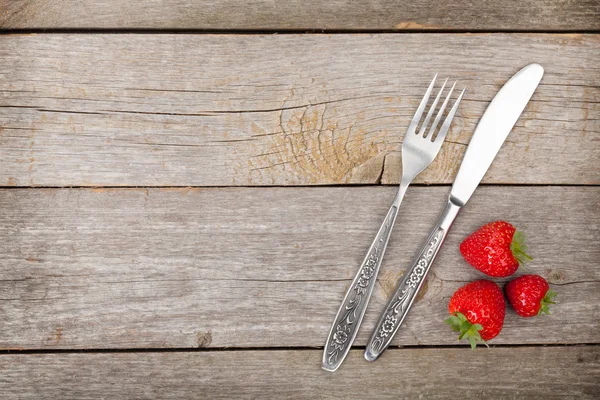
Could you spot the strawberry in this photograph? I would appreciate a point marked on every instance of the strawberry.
(530, 295)
(477, 311)
(496, 249)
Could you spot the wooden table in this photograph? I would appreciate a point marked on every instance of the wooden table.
(187, 195)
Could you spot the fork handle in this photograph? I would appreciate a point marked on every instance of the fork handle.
(406, 292)
(347, 321)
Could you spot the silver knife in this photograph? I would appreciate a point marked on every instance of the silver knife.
(493, 128)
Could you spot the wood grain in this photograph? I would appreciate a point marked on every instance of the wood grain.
(266, 267)
(301, 15)
(222, 110)
(516, 373)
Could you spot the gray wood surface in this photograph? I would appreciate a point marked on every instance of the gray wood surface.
(266, 267)
(526, 15)
(515, 373)
(221, 110)
(214, 280)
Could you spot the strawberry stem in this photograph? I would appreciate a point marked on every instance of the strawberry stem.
(519, 248)
(459, 323)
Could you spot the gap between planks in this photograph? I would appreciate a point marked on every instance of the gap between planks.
(341, 185)
(258, 32)
(290, 348)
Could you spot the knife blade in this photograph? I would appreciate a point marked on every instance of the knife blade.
(492, 130)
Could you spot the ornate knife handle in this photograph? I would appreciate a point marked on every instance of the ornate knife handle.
(398, 306)
(347, 321)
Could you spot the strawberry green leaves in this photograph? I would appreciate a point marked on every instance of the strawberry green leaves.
(519, 248)
(459, 323)
(546, 301)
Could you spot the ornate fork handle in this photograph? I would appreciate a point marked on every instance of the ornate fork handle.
(347, 321)
(404, 296)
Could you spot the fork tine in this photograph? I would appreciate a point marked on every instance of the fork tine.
(438, 117)
(413, 123)
(432, 109)
(444, 129)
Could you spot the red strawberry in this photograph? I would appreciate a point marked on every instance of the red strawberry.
(496, 249)
(530, 295)
(477, 311)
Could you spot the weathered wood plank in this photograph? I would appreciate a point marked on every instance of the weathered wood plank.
(297, 14)
(138, 268)
(516, 373)
(218, 110)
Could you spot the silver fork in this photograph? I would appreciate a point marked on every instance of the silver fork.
(418, 151)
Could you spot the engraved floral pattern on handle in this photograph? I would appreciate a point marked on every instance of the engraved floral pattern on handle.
(394, 313)
(354, 302)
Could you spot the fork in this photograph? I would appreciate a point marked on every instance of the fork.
(419, 149)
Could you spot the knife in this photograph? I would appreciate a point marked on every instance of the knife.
(491, 131)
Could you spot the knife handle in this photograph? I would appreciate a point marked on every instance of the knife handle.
(412, 281)
(350, 314)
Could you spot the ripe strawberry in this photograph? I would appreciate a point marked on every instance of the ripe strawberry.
(477, 311)
(496, 249)
(530, 295)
